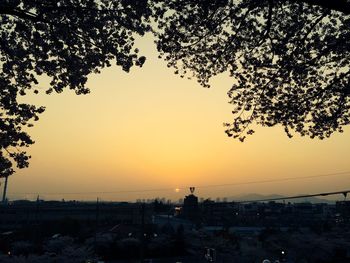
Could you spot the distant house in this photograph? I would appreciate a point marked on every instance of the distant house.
(343, 209)
(174, 222)
(124, 231)
(21, 213)
(240, 231)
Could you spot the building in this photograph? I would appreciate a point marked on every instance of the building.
(190, 208)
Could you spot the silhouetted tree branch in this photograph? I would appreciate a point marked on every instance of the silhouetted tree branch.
(66, 41)
(289, 60)
(336, 5)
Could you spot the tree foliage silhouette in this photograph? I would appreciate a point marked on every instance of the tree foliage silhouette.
(64, 40)
(289, 60)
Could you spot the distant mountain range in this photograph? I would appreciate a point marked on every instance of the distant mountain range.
(251, 197)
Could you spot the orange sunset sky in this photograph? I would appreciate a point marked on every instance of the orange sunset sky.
(150, 129)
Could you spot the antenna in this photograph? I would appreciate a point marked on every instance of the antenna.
(192, 189)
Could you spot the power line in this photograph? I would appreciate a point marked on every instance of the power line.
(186, 187)
(99, 192)
(276, 180)
(344, 192)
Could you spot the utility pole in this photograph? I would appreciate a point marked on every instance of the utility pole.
(4, 192)
(96, 224)
(37, 221)
(143, 232)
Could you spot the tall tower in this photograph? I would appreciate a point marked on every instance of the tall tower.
(190, 207)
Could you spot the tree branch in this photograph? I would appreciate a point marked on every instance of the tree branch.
(20, 14)
(336, 5)
(268, 23)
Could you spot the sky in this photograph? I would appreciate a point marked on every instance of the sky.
(143, 134)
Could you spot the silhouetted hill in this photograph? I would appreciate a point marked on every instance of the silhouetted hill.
(253, 196)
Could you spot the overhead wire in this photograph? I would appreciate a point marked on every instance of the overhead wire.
(184, 187)
(344, 192)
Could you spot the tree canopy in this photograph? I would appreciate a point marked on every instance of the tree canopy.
(289, 60)
(64, 40)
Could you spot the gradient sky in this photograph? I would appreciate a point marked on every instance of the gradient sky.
(150, 129)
